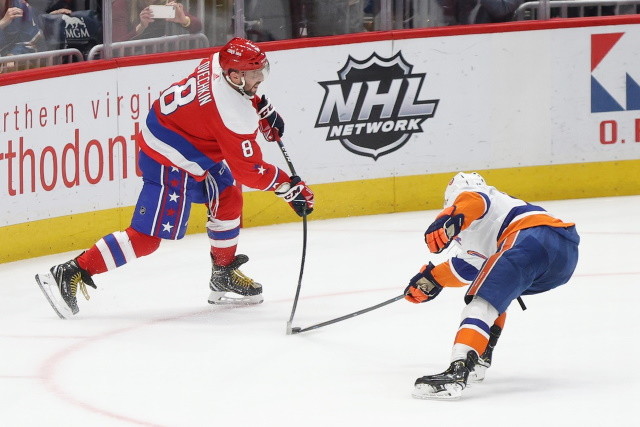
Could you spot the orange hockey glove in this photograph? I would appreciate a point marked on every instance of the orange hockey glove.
(441, 232)
(422, 287)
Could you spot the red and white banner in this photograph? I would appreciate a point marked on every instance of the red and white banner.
(356, 107)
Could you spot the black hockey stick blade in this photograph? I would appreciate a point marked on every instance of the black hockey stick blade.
(297, 330)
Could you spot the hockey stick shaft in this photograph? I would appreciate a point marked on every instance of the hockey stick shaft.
(304, 241)
(348, 316)
(286, 157)
(302, 260)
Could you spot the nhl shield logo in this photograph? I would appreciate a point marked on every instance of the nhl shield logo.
(373, 107)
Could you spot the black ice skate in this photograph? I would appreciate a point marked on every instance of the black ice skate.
(484, 361)
(61, 284)
(448, 384)
(229, 279)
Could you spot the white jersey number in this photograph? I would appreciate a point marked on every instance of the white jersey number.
(177, 96)
(247, 148)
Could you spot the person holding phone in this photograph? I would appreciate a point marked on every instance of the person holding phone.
(134, 19)
(19, 32)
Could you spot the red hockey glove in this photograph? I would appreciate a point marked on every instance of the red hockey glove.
(422, 287)
(297, 194)
(441, 232)
(271, 124)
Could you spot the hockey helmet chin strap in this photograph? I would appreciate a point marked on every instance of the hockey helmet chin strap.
(238, 87)
(260, 74)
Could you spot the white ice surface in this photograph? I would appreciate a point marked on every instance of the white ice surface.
(147, 349)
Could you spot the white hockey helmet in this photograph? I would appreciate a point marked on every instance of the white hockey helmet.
(472, 181)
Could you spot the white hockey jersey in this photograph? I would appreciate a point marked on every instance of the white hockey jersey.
(490, 216)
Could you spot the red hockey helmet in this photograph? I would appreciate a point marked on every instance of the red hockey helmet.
(242, 55)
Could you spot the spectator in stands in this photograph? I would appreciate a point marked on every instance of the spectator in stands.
(402, 11)
(132, 19)
(69, 24)
(489, 11)
(56, 7)
(478, 11)
(19, 32)
(311, 18)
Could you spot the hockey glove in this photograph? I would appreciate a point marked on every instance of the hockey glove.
(442, 231)
(271, 124)
(422, 287)
(297, 194)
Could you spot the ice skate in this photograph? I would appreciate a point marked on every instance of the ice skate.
(229, 286)
(476, 375)
(484, 361)
(61, 284)
(448, 384)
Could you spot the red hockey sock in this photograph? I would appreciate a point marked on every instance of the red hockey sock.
(223, 256)
(91, 260)
(117, 249)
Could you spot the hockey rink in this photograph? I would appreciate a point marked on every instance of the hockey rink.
(148, 350)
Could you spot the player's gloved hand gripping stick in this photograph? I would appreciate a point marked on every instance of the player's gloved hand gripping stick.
(303, 210)
(297, 194)
(271, 124)
(303, 213)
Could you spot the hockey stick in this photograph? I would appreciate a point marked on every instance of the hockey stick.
(286, 157)
(297, 330)
(304, 242)
(304, 252)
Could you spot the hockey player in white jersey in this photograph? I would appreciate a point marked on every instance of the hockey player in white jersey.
(505, 248)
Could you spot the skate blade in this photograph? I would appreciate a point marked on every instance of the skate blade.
(227, 298)
(425, 391)
(46, 282)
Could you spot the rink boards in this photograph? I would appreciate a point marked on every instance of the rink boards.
(375, 123)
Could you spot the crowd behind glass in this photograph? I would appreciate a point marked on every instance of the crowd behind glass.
(28, 26)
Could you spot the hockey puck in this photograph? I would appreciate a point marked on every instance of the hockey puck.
(295, 330)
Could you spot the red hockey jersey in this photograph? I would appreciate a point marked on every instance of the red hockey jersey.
(202, 120)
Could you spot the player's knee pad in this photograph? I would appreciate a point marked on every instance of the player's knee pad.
(142, 244)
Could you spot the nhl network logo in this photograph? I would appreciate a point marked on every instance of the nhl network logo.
(372, 109)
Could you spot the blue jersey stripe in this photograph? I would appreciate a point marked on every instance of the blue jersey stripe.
(487, 201)
(178, 142)
(465, 270)
(518, 210)
(224, 235)
(476, 322)
(115, 249)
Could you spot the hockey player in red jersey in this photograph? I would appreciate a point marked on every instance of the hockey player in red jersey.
(199, 138)
(505, 248)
